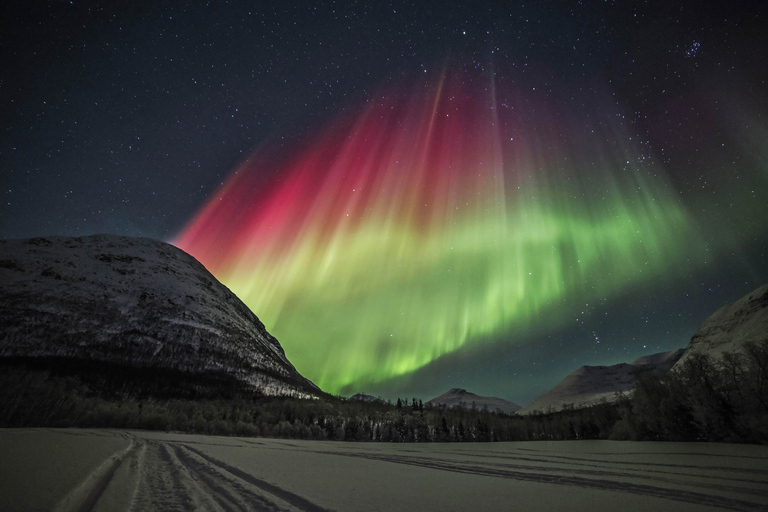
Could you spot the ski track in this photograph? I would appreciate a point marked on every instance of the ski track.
(560, 475)
(660, 480)
(151, 474)
(171, 476)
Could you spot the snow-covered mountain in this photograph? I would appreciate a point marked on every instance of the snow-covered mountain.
(729, 328)
(589, 384)
(362, 397)
(457, 397)
(135, 303)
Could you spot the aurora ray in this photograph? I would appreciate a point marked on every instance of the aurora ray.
(434, 217)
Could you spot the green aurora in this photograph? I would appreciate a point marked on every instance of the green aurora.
(432, 221)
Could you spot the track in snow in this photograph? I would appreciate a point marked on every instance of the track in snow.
(157, 475)
(74, 470)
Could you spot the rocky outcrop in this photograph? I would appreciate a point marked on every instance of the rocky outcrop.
(731, 327)
(458, 397)
(133, 303)
(589, 385)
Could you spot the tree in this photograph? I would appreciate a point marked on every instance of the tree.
(445, 432)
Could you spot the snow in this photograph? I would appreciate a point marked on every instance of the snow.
(589, 385)
(731, 327)
(457, 397)
(132, 300)
(74, 469)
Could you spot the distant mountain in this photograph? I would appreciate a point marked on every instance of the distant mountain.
(662, 361)
(362, 397)
(457, 397)
(136, 311)
(589, 384)
(729, 328)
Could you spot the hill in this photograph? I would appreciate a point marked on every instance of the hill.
(731, 327)
(134, 315)
(590, 384)
(457, 397)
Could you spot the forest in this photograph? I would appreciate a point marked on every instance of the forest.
(724, 399)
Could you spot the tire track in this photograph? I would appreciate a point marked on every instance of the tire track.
(83, 497)
(294, 500)
(174, 479)
(642, 470)
(649, 464)
(664, 453)
(598, 469)
(120, 491)
(162, 485)
(220, 501)
(590, 483)
(152, 475)
(229, 492)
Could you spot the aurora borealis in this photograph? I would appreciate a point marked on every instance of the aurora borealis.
(433, 218)
(411, 196)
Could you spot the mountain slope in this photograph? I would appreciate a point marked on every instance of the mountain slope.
(133, 303)
(362, 397)
(589, 384)
(457, 397)
(729, 328)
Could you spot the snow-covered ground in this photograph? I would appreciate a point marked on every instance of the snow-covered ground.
(71, 469)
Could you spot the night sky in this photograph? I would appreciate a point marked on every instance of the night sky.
(411, 197)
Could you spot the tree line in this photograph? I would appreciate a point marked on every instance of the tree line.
(723, 399)
(38, 398)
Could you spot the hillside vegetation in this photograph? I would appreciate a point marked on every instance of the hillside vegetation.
(705, 399)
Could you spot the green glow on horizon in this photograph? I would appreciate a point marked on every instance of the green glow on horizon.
(385, 301)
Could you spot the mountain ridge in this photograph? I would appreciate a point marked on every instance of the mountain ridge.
(732, 326)
(134, 302)
(458, 397)
(588, 385)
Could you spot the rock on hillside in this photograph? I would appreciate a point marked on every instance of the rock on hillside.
(133, 303)
(590, 384)
(732, 326)
(457, 397)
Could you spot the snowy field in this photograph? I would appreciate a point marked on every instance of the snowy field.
(71, 469)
